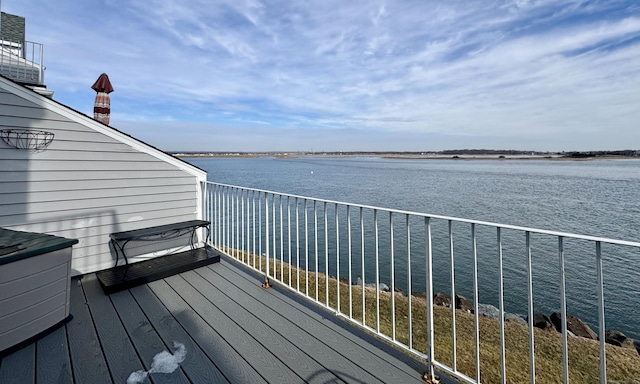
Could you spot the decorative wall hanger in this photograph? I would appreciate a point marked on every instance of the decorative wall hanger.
(28, 139)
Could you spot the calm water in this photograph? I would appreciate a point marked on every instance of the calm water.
(597, 198)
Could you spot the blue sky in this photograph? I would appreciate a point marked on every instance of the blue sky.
(337, 75)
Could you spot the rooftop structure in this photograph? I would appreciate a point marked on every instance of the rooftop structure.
(21, 60)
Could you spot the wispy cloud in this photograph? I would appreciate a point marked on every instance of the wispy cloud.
(558, 74)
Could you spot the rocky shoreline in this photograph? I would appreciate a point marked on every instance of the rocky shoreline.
(551, 323)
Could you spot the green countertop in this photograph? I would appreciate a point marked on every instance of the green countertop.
(16, 245)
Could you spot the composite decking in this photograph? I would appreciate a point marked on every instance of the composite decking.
(233, 330)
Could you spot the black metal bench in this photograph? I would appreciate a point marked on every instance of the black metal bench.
(119, 240)
(128, 275)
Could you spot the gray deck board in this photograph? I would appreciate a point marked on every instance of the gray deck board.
(119, 353)
(52, 359)
(348, 346)
(198, 367)
(233, 330)
(257, 325)
(251, 299)
(257, 355)
(144, 337)
(19, 367)
(226, 358)
(87, 358)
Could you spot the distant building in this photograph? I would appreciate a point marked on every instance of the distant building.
(21, 60)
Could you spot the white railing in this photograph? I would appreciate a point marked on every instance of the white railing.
(22, 62)
(342, 256)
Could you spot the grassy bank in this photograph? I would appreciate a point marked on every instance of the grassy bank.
(623, 364)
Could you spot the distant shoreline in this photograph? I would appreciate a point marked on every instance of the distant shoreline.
(521, 158)
(409, 156)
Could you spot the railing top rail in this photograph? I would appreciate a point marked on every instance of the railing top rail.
(441, 217)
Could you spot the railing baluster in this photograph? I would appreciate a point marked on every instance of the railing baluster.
(221, 218)
(429, 298)
(393, 281)
(260, 230)
(306, 249)
(503, 362)
(227, 221)
(253, 216)
(349, 261)
(375, 220)
(453, 300)
(243, 247)
(476, 312)
(337, 259)
(532, 357)
(409, 290)
(315, 218)
(234, 223)
(281, 242)
(266, 235)
(218, 215)
(239, 224)
(289, 236)
(563, 309)
(273, 237)
(326, 254)
(248, 227)
(601, 325)
(364, 311)
(297, 245)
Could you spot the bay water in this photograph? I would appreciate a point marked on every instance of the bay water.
(596, 197)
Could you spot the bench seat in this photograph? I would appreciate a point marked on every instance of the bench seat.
(126, 276)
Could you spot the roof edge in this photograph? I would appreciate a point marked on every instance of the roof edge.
(81, 118)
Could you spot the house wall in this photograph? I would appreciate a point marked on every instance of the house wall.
(89, 182)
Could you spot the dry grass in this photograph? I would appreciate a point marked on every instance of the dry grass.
(623, 364)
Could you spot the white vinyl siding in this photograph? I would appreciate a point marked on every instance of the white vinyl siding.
(91, 181)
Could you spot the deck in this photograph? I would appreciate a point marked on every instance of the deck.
(233, 331)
